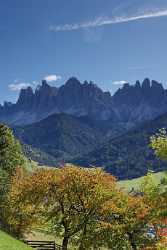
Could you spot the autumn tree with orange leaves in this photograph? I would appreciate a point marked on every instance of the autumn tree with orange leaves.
(83, 206)
(25, 202)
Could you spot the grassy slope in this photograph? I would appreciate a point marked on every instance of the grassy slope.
(135, 183)
(9, 243)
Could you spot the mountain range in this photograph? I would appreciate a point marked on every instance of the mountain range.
(130, 104)
(82, 124)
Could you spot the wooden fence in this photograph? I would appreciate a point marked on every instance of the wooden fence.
(44, 245)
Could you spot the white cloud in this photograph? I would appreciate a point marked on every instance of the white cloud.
(35, 83)
(19, 86)
(101, 21)
(52, 78)
(119, 82)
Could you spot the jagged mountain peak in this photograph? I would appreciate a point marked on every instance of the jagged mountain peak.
(138, 84)
(72, 81)
(26, 91)
(44, 87)
(26, 97)
(157, 85)
(126, 85)
(146, 84)
(44, 83)
(7, 104)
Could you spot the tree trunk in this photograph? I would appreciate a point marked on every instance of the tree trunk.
(132, 241)
(134, 247)
(81, 247)
(65, 243)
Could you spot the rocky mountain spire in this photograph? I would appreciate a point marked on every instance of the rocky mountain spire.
(26, 98)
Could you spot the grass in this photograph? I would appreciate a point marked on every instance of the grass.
(9, 243)
(135, 183)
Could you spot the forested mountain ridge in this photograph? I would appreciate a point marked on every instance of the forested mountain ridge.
(65, 136)
(129, 155)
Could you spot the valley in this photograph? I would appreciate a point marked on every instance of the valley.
(80, 133)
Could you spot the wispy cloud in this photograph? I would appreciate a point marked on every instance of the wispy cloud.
(52, 78)
(119, 82)
(101, 21)
(19, 86)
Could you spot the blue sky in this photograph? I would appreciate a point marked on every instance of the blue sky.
(108, 42)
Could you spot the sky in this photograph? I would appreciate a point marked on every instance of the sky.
(108, 42)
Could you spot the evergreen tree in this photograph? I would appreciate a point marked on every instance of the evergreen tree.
(10, 151)
(10, 158)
